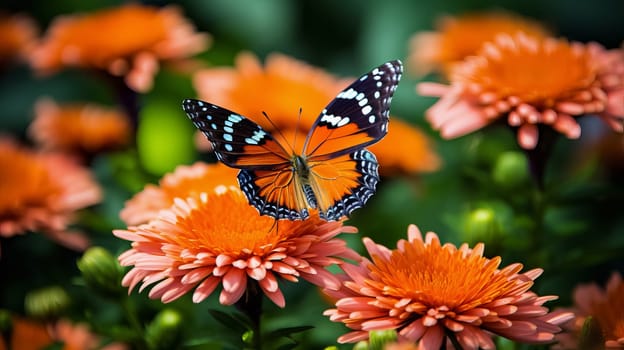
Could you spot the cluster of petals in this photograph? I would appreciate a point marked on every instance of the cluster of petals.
(41, 192)
(285, 86)
(605, 306)
(184, 181)
(127, 41)
(85, 128)
(457, 37)
(426, 290)
(19, 35)
(217, 238)
(532, 82)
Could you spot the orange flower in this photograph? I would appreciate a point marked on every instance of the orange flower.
(18, 34)
(532, 81)
(185, 181)
(40, 192)
(31, 335)
(459, 37)
(217, 238)
(78, 127)
(605, 306)
(426, 290)
(284, 86)
(125, 41)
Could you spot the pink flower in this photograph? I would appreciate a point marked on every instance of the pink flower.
(530, 81)
(183, 182)
(217, 238)
(426, 290)
(41, 192)
(604, 306)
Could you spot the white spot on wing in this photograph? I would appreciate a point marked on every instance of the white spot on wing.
(366, 109)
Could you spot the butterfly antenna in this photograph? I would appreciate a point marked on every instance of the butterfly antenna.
(292, 150)
(297, 127)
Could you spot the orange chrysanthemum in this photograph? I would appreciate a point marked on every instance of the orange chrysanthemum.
(426, 290)
(605, 306)
(284, 86)
(31, 335)
(202, 242)
(40, 192)
(185, 181)
(126, 41)
(459, 37)
(532, 81)
(78, 127)
(18, 34)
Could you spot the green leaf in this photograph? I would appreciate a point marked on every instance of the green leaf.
(288, 331)
(234, 321)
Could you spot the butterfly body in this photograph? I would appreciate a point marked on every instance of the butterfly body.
(333, 172)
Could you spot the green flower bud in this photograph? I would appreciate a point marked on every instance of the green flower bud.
(378, 339)
(361, 345)
(510, 170)
(6, 322)
(47, 303)
(481, 225)
(164, 332)
(591, 337)
(101, 272)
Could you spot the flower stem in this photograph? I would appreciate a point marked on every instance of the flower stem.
(453, 338)
(251, 305)
(133, 320)
(538, 157)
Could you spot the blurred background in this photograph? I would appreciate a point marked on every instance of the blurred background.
(480, 174)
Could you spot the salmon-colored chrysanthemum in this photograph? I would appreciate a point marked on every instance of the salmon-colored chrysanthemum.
(41, 192)
(426, 290)
(217, 238)
(127, 41)
(18, 35)
(456, 38)
(604, 306)
(78, 127)
(183, 182)
(284, 86)
(531, 81)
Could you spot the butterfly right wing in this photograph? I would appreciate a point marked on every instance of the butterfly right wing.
(237, 141)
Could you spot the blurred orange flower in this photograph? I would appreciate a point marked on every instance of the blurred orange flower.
(126, 41)
(426, 290)
(78, 127)
(41, 192)
(605, 306)
(531, 81)
(30, 335)
(284, 86)
(217, 238)
(183, 182)
(18, 35)
(458, 37)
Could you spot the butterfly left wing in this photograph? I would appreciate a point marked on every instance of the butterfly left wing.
(357, 117)
(237, 141)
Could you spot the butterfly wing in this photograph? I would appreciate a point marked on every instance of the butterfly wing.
(344, 183)
(267, 176)
(343, 174)
(357, 117)
(237, 141)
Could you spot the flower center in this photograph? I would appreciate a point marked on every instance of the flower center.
(510, 65)
(439, 277)
(227, 223)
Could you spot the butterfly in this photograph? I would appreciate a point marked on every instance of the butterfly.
(334, 173)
